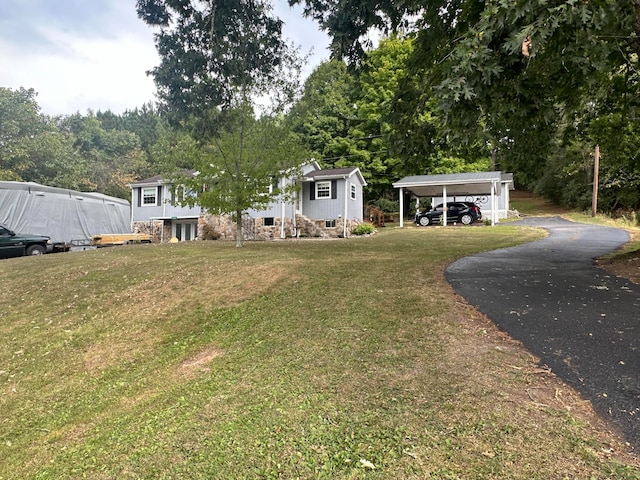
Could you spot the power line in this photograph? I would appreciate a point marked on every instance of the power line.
(354, 155)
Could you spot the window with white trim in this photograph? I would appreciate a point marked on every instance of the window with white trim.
(268, 221)
(149, 196)
(323, 189)
(330, 223)
(353, 192)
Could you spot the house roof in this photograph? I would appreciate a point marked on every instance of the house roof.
(314, 175)
(334, 173)
(455, 183)
(158, 179)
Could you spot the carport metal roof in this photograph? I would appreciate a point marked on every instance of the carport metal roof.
(454, 184)
(444, 185)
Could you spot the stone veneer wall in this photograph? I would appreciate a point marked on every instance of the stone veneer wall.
(253, 228)
(153, 228)
(317, 229)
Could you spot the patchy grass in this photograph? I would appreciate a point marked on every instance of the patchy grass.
(296, 359)
(529, 204)
(626, 261)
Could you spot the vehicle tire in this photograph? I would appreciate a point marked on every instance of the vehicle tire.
(424, 221)
(466, 219)
(35, 250)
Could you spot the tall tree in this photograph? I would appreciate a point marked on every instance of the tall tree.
(508, 72)
(20, 121)
(112, 158)
(214, 54)
(377, 139)
(324, 114)
(242, 168)
(32, 147)
(224, 64)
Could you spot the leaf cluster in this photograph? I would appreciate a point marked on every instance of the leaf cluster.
(94, 152)
(515, 80)
(215, 55)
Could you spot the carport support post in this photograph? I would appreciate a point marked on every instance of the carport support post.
(401, 202)
(444, 205)
(494, 205)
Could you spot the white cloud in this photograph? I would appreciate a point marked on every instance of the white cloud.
(97, 74)
(81, 55)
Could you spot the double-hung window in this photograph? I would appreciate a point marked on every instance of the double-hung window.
(353, 192)
(149, 196)
(323, 189)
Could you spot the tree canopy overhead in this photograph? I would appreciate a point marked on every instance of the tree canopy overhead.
(475, 47)
(224, 65)
(514, 78)
(215, 54)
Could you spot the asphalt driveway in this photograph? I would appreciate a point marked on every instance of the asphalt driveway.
(582, 322)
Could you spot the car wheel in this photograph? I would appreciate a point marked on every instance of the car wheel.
(424, 221)
(35, 250)
(466, 219)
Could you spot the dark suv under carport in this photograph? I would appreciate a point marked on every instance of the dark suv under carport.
(457, 212)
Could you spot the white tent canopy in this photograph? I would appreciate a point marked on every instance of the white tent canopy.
(455, 184)
(61, 214)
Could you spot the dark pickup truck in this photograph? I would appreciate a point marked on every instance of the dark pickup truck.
(16, 245)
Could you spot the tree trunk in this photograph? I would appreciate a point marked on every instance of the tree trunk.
(239, 232)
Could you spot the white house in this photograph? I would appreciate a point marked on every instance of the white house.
(328, 203)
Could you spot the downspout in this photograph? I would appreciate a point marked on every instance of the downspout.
(133, 199)
(282, 215)
(298, 202)
(164, 204)
(346, 199)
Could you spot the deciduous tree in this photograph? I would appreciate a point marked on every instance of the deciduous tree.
(506, 74)
(224, 65)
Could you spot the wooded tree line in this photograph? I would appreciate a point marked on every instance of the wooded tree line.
(340, 118)
(100, 151)
(528, 87)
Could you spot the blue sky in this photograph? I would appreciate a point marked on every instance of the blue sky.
(93, 54)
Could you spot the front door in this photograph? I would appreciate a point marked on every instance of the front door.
(185, 230)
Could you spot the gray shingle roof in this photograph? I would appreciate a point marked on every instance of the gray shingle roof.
(332, 173)
(158, 179)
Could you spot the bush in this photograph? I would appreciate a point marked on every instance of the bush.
(387, 205)
(363, 229)
(209, 233)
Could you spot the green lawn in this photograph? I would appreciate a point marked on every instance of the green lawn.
(295, 359)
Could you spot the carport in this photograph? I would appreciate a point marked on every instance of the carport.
(455, 184)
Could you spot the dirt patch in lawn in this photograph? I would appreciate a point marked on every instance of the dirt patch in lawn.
(198, 363)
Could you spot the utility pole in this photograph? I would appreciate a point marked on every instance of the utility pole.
(596, 169)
